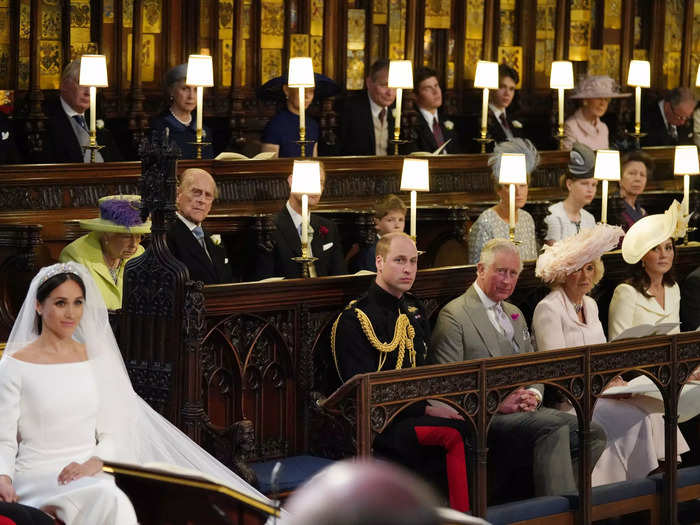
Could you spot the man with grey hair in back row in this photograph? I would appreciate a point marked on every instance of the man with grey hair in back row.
(68, 124)
(666, 121)
(480, 324)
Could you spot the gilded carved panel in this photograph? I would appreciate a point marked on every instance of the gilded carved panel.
(226, 54)
(611, 56)
(79, 21)
(612, 18)
(108, 11)
(298, 45)
(397, 29)
(580, 31)
(474, 34)
(355, 69)
(316, 45)
(271, 64)
(316, 18)
(24, 32)
(380, 9)
(438, 14)
(225, 19)
(151, 16)
(507, 23)
(50, 49)
(272, 24)
(513, 56)
(673, 41)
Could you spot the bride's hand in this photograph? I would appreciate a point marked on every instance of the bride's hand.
(7, 491)
(74, 470)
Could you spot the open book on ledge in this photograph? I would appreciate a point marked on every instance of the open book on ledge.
(688, 401)
(429, 153)
(232, 155)
(645, 330)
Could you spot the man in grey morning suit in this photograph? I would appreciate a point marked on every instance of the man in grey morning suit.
(479, 324)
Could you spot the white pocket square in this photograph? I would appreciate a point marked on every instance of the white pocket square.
(5, 135)
(226, 260)
(327, 246)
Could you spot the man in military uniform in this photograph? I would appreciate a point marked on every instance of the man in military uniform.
(387, 329)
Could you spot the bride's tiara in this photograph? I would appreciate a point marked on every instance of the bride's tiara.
(57, 269)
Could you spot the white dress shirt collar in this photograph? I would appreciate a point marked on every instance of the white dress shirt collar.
(191, 225)
(375, 108)
(428, 116)
(69, 110)
(497, 112)
(663, 114)
(296, 217)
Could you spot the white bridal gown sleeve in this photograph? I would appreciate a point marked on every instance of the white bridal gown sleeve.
(49, 419)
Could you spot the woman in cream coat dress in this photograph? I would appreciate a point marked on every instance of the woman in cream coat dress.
(568, 317)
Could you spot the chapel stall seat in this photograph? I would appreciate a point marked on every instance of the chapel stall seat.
(687, 483)
(624, 497)
(544, 510)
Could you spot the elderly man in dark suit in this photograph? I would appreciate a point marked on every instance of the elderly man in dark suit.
(276, 260)
(666, 121)
(480, 324)
(67, 127)
(432, 128)
(367, 122)
(204, 257)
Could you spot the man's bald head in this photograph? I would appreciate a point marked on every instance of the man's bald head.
(195, 194)
(361, 493)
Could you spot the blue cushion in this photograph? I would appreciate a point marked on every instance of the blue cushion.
(686, 476)
(527, 509)
(619, 491)
(295, 471)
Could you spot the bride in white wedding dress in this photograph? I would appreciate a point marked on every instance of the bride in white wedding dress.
(66, 404)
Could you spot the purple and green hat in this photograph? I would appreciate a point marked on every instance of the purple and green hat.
(119, 214)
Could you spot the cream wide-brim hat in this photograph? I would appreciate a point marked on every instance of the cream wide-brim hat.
(598, 86)
(650, 231)
(119, 214)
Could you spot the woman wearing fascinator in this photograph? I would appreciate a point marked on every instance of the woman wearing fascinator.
(52, 446)
(493, 222)
(568, 317)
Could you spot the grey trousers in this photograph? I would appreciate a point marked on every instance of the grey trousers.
(548, 439)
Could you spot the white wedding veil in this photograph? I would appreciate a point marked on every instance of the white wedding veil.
(141, 435)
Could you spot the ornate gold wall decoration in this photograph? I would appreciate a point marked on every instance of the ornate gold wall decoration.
(4, 66)
(272, 25)
(50, 20)
(513, 56)
(672, 69)
(355, 72)
(79, 21)
(317, 52)
(205, 20)
(611, 54)
(225, 19)
(108, 11)
(78, 49)
(226, 54)
(380, 9)
(4, 4)
(25, 18)
(596, 62)
(695, 49)
(507, 19)
(450, 76)
(580, 34)
(245, 23)
(640, 54)
(316, 18)
(475, 19)
(613, 14)
(148, 57)
(428, 47)
(151, 15)
(673, 41)
(438, 14)
(356, 29)
(24, 31)
(397, 29)
(472, 54)
(4, 25)
(544, 41)
(7, 97)
(50, 60)
(271, 64)
(298, 45)
(128, 14)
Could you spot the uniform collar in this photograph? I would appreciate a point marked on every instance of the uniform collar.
(383, 298)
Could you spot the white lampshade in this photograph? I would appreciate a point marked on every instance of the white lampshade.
(607, 165)
(306, 177)
(200, 71)
(562, 75)
(486, 75)
(513, 169)
(639, 74)
(685, 161)
(93, 70)
(401, 74)
(301, 72)
(697, 77)
(415, 175)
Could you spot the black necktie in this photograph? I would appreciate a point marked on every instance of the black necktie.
(80, 119)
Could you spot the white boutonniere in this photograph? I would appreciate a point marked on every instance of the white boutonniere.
(5, 135)
(449, 125)
(215, 239)
(517, 124)
(99, 123)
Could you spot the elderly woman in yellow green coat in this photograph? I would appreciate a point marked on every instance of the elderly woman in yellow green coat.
(115, 237)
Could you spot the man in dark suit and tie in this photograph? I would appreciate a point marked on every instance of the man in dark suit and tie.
(204, 257)
(666, 121)
(276, 260)
(367, 122)
(432, 129)
(500, 123)
(480, 324)
(67, 124)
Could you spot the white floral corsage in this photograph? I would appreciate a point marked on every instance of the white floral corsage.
(517, 124)
(216, 239)
(449, 125)
(99, 123)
